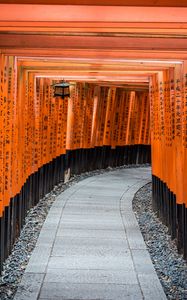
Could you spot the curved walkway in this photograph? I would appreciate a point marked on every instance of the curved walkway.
(90, 246)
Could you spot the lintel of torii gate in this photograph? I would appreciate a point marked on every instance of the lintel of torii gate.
(167, 3)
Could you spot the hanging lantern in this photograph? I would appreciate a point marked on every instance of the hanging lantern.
(61, 89)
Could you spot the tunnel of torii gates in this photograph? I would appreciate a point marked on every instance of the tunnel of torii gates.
(127, 66)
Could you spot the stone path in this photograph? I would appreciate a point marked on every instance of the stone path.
(90, 246)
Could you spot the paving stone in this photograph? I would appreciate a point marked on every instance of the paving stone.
(129, 220)
(94, 201)
(98, 208)
(92, 262)
(151, 287)
(93, 217)
(100, 248)
(90, 242)
(114, 186)
(30, 287)
(93, 197)
(92, 225)
(91, 207)
(45, 241)
(57, 205)
(116, 234)
(100, 192)
(91, 212)
(55, 210)
(142, 262)
(91, 276)
(39, 259)
(135, 239)
(51, 224)
(90, 291)
(45, 233)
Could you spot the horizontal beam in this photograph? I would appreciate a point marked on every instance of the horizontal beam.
(94, 74)
(51, 13)
(129, 33)
(95, 54)
(89, 43)
(130, 77)
(107, 62)
(65, 25)
(168, 3)
(86, 66)
(165, 32)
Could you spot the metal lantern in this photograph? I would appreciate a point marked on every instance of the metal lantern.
(61, 89)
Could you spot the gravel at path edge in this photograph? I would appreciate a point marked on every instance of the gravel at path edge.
(170, 266)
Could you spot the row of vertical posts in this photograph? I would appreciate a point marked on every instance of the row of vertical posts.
(83, 160)
(168, 102)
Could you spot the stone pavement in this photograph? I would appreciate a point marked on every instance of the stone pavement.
(90, 246)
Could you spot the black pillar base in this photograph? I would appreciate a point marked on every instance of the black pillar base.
(172, 214)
